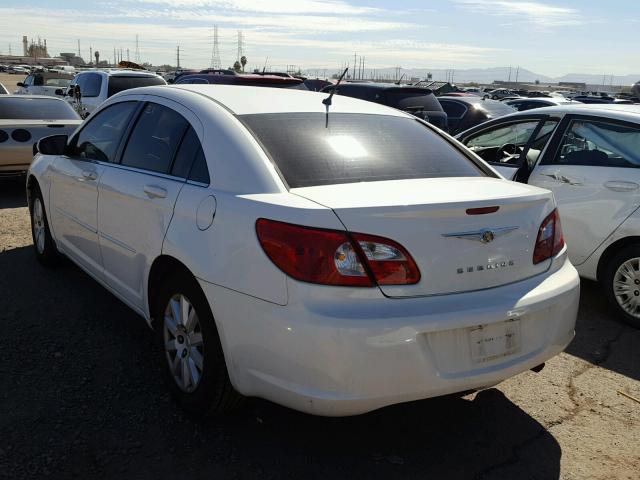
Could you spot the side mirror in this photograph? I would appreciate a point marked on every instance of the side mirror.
(20, 84)
(60, 92)
(52, 145)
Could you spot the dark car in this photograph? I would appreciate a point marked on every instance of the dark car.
(316, 84)
(594, 99)
(229, 77)
(523, 104)
(467, 112)
(418, 101)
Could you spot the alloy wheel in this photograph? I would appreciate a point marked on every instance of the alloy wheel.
(183, 343)
(38, 225)
(626, 286)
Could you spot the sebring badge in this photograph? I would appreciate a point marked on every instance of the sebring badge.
(486, 235)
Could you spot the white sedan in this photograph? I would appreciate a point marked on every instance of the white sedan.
(589, 157)
(331, 258)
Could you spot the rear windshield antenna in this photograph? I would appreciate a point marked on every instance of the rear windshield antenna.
(327, 101)
(401, 78)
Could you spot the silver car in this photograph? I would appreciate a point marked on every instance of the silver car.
(26, 119)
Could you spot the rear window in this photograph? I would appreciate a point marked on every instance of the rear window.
(407, 100)
(355, 148)
(118, 84)
(495, 109)
(36, 109)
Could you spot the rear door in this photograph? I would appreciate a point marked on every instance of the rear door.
(74, 184)
(137, 196)
(593, 169)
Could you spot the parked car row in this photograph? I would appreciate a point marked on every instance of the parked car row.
(306, 247)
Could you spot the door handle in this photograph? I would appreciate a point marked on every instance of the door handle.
(89, 175)
(153, 191)
(621, 186)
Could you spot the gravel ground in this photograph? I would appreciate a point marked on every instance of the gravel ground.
(80, 396)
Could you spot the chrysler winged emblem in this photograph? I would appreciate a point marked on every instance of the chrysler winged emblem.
(486, 235)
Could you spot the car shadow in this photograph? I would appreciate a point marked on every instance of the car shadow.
(602, 338)
(81, 395)
(12, 192)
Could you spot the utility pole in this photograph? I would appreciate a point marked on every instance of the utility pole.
(517, 74)
(215, 53)
(509, 81)
(90, 54)
(240, 45)
(115, 57)
(178, 56)
(79, 48)
(128, 55)
(137, 54)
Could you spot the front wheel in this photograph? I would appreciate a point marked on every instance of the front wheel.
(191, 353)
(621, 281)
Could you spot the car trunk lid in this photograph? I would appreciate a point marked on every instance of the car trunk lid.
(456, 248)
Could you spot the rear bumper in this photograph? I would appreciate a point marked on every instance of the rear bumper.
(344, 351)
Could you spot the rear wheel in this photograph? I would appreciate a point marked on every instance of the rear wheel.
(43, 244)
(191, 354)
(621, 280)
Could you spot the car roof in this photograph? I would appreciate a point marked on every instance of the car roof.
(620, 112)
(368, 85)
(244, 100)
(32, 97)
(122, 73)
(555, 100)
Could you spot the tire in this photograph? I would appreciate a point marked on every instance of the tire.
(43, 243)
(193, 364)
(621, 282)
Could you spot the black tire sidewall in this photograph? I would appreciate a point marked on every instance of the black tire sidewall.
(612, 266)
(209, 394)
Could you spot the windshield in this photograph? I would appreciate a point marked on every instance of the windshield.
(118, 84)
(355, 148)
(36, 109)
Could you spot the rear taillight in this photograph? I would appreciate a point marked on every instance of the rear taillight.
(550, 239)
(333, 257)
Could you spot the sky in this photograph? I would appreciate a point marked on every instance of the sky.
(553, 37)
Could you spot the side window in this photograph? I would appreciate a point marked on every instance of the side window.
(28, 81)
(37, 80)
(190, 161)
(90, 84)
(154, 139)
(453, 109)
(100, 138)
(503, 144)
(599, 144)
(540, 142)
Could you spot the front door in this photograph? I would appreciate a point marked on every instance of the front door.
(593, 170)
(74, 186)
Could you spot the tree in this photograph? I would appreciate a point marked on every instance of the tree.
(243, 61)
(237, 67)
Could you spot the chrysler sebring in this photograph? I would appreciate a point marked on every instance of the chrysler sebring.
(331, 255)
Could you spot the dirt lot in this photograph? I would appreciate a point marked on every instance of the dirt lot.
(80, 396)
(9, 81)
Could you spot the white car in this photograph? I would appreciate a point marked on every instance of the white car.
(589, 156)
(45, 83)
(331, 258)
(92, 87)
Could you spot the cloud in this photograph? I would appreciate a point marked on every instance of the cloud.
(539, 14)
(315, 7)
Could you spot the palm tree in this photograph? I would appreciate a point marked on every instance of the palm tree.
(237, 67)
(243, 61)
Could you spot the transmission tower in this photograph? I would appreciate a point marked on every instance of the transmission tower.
(215, 53)
(240, 45)
(137, 54)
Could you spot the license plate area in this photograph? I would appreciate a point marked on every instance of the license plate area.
(496, 340)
